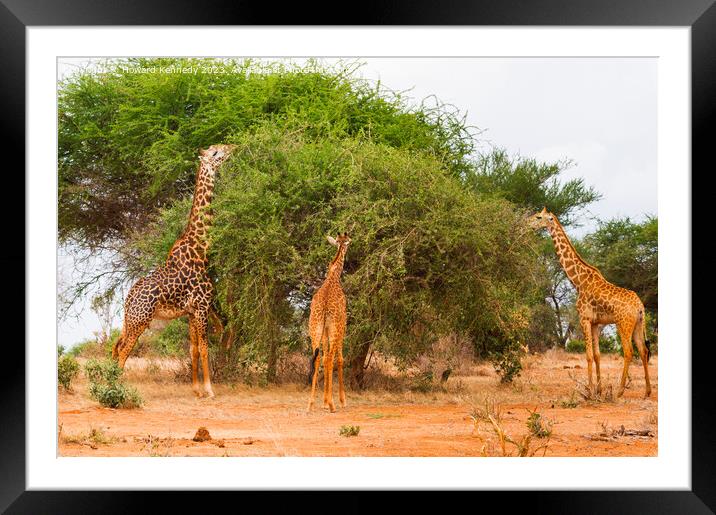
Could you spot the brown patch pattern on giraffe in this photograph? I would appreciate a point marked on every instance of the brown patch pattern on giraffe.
(181, 286)
(327, 327)
(599, 302)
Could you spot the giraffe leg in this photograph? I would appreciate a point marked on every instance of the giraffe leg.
(596, 330)
(128, 342)
(194, 351)
(337, 348)
(314, 377)
(341, 388)
(328, 381)
(202, 340)
(587, 330)
(316, 331)
(625, 332)
(638, 335)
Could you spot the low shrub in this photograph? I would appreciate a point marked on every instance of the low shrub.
(608, 344)
(507, 364)
(67, 370)
(538, 426)
(107, 387)
(575, 345)
(349, 430)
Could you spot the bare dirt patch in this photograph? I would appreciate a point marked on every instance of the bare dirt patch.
(253, 421)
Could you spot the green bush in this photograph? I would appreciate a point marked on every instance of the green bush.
(507, 363)
(538, 426)
(86, 349)
(608, 344)
(423, 383)
(107, 387)
(576, 345)
(67, 370)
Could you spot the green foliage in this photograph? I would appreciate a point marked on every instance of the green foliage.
(576, 345)
(172, 340)
(107, 387)
(428, 258)
(67, 370)
(423, 383)
(530, 184)
(92, 348)
(349, 430)
(128, 141)
(507, 362)
(608, 344)
(60, 350)
(538, 426)
(627, 254)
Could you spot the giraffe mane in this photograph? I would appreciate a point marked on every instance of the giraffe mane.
(574, 250)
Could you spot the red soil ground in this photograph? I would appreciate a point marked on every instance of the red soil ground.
(252, 421)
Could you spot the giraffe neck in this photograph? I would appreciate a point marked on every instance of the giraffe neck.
(200, 216)
(577, 270)
(336, 266)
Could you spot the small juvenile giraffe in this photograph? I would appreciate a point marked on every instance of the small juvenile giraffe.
(599, 302)
(327, 323)
(181, 286)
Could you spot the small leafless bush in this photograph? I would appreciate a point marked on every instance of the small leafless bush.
(490, 412)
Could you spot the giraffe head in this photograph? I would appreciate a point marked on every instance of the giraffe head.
(341, 241)
(216, 154)
(542, 220)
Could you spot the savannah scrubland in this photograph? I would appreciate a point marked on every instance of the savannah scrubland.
(459, 315)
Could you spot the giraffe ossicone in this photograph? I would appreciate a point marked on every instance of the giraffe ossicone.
(182, 286)
(599, 303)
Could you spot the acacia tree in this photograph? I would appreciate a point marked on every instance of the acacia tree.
(128, 141)
(428, 258)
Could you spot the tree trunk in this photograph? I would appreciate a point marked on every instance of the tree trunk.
(271, 361)
(358, 366)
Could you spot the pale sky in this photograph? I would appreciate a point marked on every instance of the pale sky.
(598, 112)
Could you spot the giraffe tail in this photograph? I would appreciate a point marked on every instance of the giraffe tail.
(647, 343)
(313, 364)
(317, 350)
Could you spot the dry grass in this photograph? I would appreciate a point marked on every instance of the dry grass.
(92, 439)
(489, 413)
(155, 446)
(608, 434)
(590, 394)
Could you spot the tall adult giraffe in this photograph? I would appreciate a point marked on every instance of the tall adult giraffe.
(599, 302)
(181, 286)
(327, 325)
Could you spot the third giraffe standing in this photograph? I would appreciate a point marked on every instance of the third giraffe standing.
(599, 302)
(327, 326)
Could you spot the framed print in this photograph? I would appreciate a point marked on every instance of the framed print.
(403, 249)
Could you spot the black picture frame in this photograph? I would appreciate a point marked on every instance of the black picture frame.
(17, 15)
